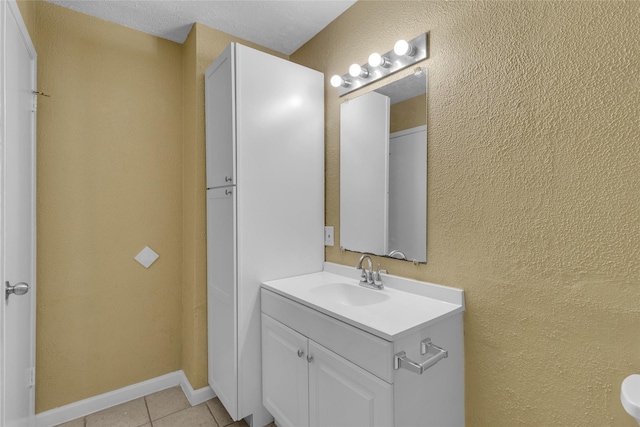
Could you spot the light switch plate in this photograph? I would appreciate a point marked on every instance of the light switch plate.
(147, 256)
(328, 236)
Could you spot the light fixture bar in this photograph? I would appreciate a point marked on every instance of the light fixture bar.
(395, 63)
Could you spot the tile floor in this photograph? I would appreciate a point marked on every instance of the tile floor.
(167, 408)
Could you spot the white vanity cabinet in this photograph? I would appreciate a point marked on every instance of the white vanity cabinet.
(285, 383)
(305, 384)
(329, 362)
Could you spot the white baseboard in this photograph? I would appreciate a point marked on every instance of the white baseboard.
(116, 397)
(195, 397)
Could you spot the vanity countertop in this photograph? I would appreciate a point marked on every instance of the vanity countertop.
(405, 306)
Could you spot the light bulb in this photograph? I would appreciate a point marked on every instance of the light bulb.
(402, 47)
(357, 71)
(377, 60)
(337, 81)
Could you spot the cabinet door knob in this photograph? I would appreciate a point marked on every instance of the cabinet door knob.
(300, 353)
(19, 289)
(309, 358)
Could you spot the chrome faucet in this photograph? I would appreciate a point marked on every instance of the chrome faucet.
(369, 278)
(398, 254)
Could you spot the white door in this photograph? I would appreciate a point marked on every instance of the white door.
(408, 192)
(222, 297)
(220, 120)
(285, 383)
(342, 394)
(17, 222)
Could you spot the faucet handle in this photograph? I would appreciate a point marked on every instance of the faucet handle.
(380, 270)
(377, 279)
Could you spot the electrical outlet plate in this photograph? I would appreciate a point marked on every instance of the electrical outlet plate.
(147, 256)
(328, 236)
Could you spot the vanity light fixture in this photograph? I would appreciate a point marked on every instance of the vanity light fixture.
(337, 81)
(403, 48)
(404, 54)
(358, 71)
(377, 60)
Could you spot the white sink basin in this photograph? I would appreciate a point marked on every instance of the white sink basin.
(402, 307)
(630, 396)
(350, 295)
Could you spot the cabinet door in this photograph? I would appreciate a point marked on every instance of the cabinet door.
(342, 394)
(284, 374)
(220, 119)
(222, 297)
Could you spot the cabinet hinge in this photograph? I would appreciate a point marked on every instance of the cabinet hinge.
(32, 377)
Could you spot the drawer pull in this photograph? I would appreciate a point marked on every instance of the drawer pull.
(426, 347)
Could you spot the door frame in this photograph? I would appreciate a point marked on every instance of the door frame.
(9, 10)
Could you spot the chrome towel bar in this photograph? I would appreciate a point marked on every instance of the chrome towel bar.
(400, 360)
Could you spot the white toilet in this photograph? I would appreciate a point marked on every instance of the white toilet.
(630, 396)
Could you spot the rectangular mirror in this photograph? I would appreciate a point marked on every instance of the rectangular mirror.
(383, 170)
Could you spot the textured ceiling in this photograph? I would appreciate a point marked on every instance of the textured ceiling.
(405, 88)
(283, 26)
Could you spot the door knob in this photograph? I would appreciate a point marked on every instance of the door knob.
(300, 353)
(309, 358)
(20, 288)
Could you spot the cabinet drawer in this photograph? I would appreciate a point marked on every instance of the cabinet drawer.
(362, 348)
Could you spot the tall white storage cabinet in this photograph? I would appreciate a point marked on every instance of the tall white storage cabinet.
(265, 206)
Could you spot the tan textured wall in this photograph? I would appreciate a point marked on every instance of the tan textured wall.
(202, 47)
(408, 114)
(533, 113)
(28, 12)
(193, 306)
(109, 183)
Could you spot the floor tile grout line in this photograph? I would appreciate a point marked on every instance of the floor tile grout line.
(212, 416)
(151, 422)
(146, 405)
(173, 413)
